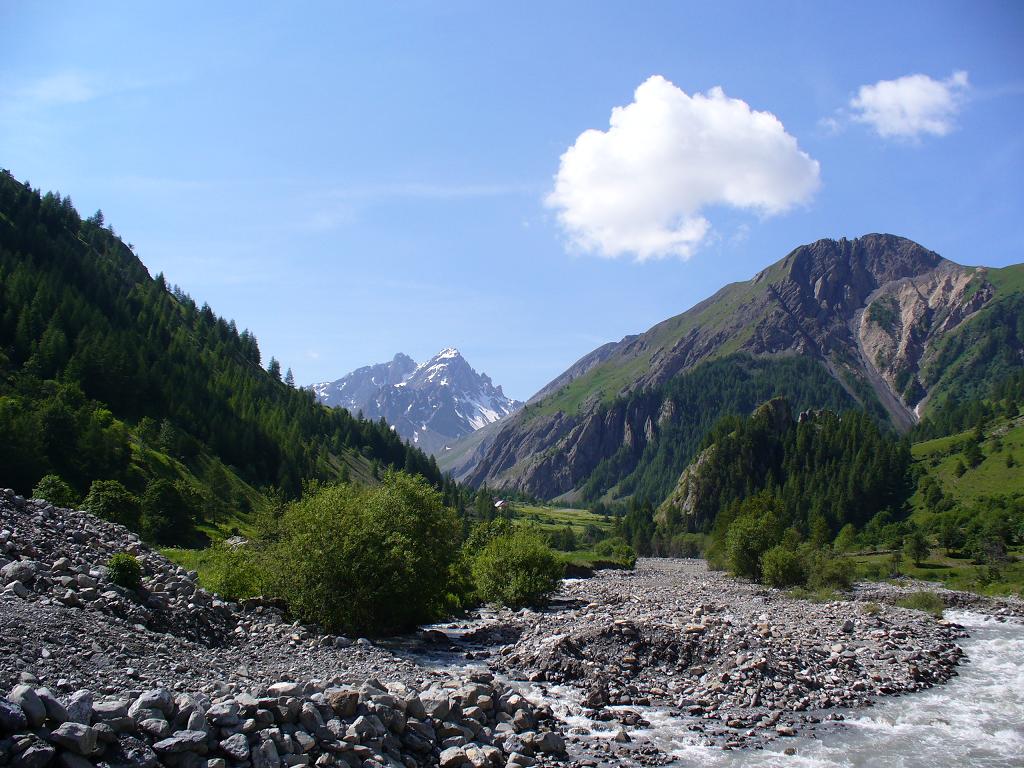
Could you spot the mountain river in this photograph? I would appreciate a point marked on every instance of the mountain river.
(976, 719)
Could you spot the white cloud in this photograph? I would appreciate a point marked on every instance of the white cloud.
(911, 106)
(641, 186)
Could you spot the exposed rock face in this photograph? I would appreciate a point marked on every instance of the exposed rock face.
(356, 390)
(904, 318)
(558, 452)
(685, 497)
(693, 484)
(432, 404)
(811, 303)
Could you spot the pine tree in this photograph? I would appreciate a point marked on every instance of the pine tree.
(289, 379)
(274, 368)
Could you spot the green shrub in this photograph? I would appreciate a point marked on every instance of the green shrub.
(915, 546)
(358, 559)
(166, 515)
(112, 501)
(929, 602)
(827, 572)
(53, 489)
(516, 570)
(782, 567)
(563, 539)
(461, 585)
(816, 595)
(749, 537)
(715, 556)
(872, 571)
(235, 573)
(846, 540)
(125, 570)
(617, 550)
(687, 545)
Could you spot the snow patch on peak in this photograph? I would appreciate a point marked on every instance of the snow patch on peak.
(432, 403)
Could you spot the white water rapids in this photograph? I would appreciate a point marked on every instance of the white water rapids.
(976, 719)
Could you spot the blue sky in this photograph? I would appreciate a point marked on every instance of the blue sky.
(352, 180)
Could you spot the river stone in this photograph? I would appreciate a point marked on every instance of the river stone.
(182, 741)
(236, 747)
(453, 757)
(20, 570)
(80, 739)
(343, 700)
(111, 709)
(55, 709)
(71, 760)
(39, 755)
(266, 756)
(158, 698)
(130, 753)
(11, 717)
(25, 697)
(551, 743)
(80, 707)
(156, 727)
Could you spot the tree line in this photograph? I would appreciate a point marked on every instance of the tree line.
(99, 361)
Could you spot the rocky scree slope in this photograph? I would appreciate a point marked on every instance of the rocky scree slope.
(873, 311)
(95, 674)
(432, 404)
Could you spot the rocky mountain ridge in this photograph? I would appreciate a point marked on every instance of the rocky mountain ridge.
(431, 404)
(872, 311)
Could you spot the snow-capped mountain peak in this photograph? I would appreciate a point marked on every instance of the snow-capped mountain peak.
(432, 403)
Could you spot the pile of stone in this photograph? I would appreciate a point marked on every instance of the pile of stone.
(170, 674)
(474, 723)
(61, 617)
(61, 554)
(736, 662)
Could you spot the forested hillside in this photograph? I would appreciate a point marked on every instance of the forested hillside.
(106, 374)
(822, 472)
(688, 407)
(805, 498)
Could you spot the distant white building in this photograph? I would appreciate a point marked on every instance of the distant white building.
(502, 505)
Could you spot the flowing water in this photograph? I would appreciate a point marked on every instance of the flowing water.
(976, 719)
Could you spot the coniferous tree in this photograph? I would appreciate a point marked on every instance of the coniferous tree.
(90, 345)
(274, 368)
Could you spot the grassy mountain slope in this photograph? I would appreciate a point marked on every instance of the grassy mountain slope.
(891, 323)
(1000, 471)
(105, 373)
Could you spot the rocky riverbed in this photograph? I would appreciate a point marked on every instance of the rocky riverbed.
(171, 674)
(735, 664)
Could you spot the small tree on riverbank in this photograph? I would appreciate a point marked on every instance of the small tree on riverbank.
(916, 547)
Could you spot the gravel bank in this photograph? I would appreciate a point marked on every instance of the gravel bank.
(171, 675)
(736, 663)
